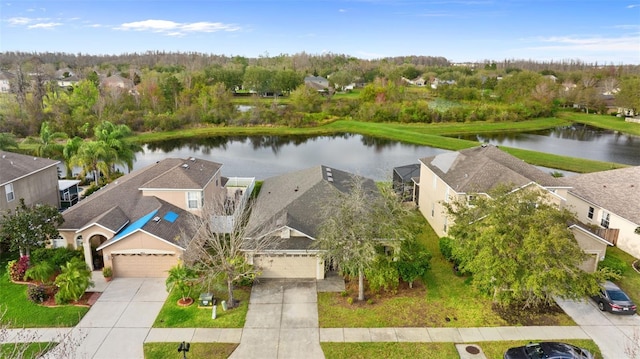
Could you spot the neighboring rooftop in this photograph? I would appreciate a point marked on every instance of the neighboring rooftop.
(483, 168)
(14, 166)
(617, 191)
(297, 199)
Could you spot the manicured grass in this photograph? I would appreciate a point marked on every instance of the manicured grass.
(630, 281)
(173, 316)
(495, 350)
(389, 350)
(22, 313)
(28, 350)
(602, 121)
(196, 351)
(449, 301)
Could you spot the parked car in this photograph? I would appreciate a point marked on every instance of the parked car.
(550, 350)
(612, 299)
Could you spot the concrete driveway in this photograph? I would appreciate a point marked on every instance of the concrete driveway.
(118, 323)
(282, 321)
(614, 334)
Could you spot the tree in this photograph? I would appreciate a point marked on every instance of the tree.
(413, 261)
(218, 254)
(30, 227)
(306, 99)
(356, 224)
(181, 278)
(70, 149)
(94, 157)
(115, 137)
(73, 281)
(518, 246)
(47, 144)
(7, 140)
(628, 95)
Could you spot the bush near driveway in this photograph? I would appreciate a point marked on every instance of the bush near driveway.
(442, 300)
(173, 316)
(22, 313)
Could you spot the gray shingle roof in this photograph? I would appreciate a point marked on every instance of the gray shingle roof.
(617, 191)
(113, 219)
(125, 194)
(482, 168)
(14, 165)
(297, 199)
(190, 174)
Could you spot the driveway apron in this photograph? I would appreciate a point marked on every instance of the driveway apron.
(282, 321)
(118, 323)
(614, 334)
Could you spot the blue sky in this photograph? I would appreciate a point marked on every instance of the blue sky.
(605, 31)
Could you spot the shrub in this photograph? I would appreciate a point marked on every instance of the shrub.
(446, 248)
(350, 300)
(107, 272)
(40, 272)
(344, 293)
(73, 281)
(614, 264)
(57, 257)
(370, 301)
(37, 293)
(17, 269)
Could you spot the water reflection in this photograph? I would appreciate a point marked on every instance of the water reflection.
(575, 141)
(266, 156)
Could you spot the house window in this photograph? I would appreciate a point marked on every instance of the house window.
(8, 189)
(590, 213)
(444, 227)
(446, 196)
(193, 200)
(435, 181)
(79, 242)
(605, 220)
(58, 242)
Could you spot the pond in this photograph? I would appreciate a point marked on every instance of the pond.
(266, 156)
(580, 141)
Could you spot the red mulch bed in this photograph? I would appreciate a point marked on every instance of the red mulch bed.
(87, 299)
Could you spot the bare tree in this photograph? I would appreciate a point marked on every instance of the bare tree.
(221, 245)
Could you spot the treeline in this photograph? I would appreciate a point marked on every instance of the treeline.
(160, 91)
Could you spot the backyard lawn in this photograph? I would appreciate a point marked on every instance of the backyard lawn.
(19, 312)
(173, 316)
(630, 280)
(444, 300)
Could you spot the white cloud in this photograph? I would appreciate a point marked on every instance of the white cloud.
(632, 6)
(596, 43)
(45, 25)
(172, 28)
(15, 21)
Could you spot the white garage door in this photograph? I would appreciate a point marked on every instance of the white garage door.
(142, 265)
(286, 266)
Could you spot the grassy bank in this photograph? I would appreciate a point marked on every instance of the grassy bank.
(433, 135)
(602, 121)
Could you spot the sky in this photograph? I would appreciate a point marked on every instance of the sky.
(604, 31)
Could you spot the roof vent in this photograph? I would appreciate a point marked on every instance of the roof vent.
(296, 189)
(192, 159)
(156, 219)
(185, 165)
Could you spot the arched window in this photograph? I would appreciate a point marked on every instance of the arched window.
(79, 242)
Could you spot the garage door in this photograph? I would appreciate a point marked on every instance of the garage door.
(286, 266)
(142, 265)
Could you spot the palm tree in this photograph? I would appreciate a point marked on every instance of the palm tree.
(47, 144)
(94, 157)
(70, 149)
(7, 140)
(115, 137)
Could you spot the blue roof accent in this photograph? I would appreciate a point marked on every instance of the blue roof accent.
(170, 216)
(135, 225)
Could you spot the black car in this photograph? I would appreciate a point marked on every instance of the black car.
(550, 350)
(612, 299)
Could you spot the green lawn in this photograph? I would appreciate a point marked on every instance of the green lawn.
(493, 350)
(602, 121)
(24, 350)
(196, 351)
(449, 301)
(20, 312)
(173, 316)
(630, 281)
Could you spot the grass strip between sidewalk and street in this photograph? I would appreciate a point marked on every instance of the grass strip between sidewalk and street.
(196, 350)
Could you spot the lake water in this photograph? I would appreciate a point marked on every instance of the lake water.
(266, 156)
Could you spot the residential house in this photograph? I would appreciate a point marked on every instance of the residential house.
(69, 193)
(117, 82)
(289, 206)
(609, 203)
(5, 81)
(33, 179)
(317, 82)
(458, 176)
(135, 223)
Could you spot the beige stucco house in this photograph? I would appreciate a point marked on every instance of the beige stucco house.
(609, 202)
(458, 176)
(289, 206)
(33, 179)
(134, 224)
